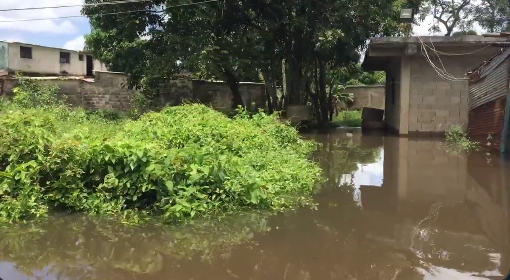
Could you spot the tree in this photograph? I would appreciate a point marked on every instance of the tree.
(290, 44)
(450, 14)
(467, 32)
(490, 14)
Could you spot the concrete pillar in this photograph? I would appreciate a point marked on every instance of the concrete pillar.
(405, 85)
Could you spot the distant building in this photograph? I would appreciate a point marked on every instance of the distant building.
(427, 89)
(46, 61)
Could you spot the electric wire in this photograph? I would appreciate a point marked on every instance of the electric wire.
(113, 13)
(443, 73)
(72, 6)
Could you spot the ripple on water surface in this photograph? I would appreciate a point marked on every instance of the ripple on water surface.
(392, 208)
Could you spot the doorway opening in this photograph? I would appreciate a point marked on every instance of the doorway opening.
(89, 66)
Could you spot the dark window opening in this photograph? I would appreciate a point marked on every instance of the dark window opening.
(393, 89)
(65, 57)
(25, 52)
(80, 57)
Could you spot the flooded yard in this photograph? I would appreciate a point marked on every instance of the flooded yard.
(392, 208)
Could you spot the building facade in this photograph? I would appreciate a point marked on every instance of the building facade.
(46, 61)
(488, 102)
(427, 88)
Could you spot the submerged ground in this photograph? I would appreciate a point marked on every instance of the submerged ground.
(393, 208)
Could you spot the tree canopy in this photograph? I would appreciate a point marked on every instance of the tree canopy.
(460, 16)
(289, 45)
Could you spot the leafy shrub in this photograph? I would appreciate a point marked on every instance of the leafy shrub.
(182, 162)
(33, 94)
(459, 140)
(350, 118)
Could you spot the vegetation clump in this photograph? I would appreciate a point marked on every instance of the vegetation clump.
(458, 139)
(349, 118)
(182, 162)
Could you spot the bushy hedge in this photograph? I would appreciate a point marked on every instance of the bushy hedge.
(179, 163)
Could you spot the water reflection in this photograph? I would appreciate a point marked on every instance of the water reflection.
(426, 214)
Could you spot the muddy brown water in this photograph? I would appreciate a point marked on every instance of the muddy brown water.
(393, 208)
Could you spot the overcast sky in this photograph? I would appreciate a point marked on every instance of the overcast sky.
(65, 33)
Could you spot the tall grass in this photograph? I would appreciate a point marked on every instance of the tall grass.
(458, 140)
(349, 118)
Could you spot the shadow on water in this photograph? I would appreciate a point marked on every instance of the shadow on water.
(392, 208)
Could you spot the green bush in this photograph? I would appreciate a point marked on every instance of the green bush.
(33, 94)
(179, 163)
(458, 139)
(350, 118)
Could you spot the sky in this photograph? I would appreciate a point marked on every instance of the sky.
(68, 33)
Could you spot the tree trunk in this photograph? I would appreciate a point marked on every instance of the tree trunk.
(272, 97)
(313, 98)
(285, 94)
(293, 81)
(233, 84)
(449, 30)
(323, 94)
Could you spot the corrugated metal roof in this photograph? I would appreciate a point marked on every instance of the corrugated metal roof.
(488, 66)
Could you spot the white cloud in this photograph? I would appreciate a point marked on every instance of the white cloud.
(423, 28)
(76, 44)
(11, 39)
(62, 26)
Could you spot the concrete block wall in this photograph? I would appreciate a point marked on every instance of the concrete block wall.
(434, 103)
(108, 91)
(218, 94)
(177, 91)
(366, 96)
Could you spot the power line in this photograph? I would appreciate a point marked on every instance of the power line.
(77, 16)
(71, 6)
(114, 13)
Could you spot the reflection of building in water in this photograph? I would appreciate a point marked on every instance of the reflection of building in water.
(441, 205)
(367, 174)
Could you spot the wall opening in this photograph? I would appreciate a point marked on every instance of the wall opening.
(393, 91)
(25, 52)
(89, 66)
(65, 57)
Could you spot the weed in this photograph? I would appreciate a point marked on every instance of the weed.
(180, 163)
(458, 139)
(350, 118)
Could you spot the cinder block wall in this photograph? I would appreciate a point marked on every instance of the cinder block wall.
(108, 91)
(366, 96)
(434, 103)
(218, 94)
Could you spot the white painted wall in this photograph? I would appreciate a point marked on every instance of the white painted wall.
(46, 61)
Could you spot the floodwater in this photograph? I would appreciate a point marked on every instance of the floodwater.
(393, 208)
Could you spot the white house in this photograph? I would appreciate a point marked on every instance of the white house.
(40, 60)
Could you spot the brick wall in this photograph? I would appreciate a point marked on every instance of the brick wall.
(434, 103)
(108, 91)
(366, 96)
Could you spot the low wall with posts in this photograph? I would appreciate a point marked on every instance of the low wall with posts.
(108, 91)
(366, 96)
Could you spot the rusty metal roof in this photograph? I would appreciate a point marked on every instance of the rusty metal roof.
(489, 65)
